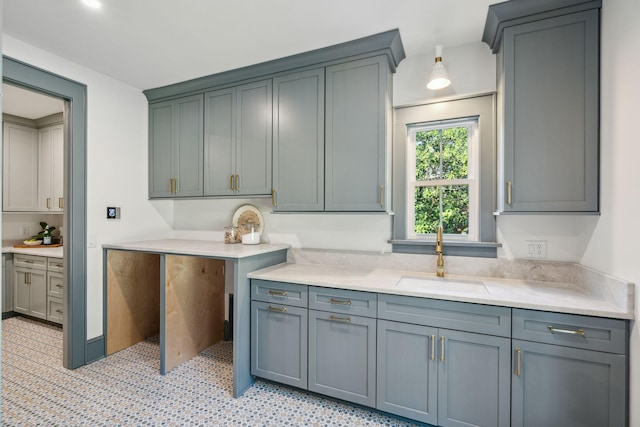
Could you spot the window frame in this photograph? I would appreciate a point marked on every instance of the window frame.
(471, 181)
(482, 106)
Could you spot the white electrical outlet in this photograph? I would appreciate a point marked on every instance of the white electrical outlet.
(24, 231)
(91, 243)
(536, 249)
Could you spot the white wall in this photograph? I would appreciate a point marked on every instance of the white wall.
(116, 164)
(12, 223)
(612, 246)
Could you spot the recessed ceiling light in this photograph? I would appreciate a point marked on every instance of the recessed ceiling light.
(94, 4)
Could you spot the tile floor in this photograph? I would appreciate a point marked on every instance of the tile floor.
(125, 389)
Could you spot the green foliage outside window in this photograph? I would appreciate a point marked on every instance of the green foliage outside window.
(442, 154)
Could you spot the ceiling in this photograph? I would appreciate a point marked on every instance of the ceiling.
(31, 105)
(152, 43)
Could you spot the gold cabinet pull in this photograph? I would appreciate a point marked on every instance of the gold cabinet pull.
(278, 293)
(381, 196)
(58, 285)
(433, 347)
(340, 302)
(231, 182)
(61, 202)
(442, 348)
(518, 361)
(59, 311)
(48, 203)
(237, 182)
(509, 192)
(273, 198)
(340, 319)
(278, 309)
(175, 185)
(555, 330)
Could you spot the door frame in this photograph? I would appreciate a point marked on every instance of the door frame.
(76, 349)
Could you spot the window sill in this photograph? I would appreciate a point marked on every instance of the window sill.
(470, 249)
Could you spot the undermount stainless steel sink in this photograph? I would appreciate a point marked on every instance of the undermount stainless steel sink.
(441, 285)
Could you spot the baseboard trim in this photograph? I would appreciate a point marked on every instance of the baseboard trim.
(94, 349)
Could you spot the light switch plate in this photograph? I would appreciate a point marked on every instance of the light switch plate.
(536, 249)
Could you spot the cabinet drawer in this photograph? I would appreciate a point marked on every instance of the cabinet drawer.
(55, 264)
(279, 292)
(571, 330)
(55, 285)
(30, 261)
(483, 319)
(343, 301)
(55, 309)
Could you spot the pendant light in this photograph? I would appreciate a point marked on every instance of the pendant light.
(439, 77)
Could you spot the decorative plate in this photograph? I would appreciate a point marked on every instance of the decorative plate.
(32, 242)
(248, 214)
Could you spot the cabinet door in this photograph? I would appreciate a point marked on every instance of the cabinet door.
(298, 142)
(38, 294)
(160, 149)
(407, 374)
(551, 114)
(21, 290)
(188, 147)
(20, 168)
(55, 284)
(176, 148)
(254, 138)
(569, 387)
(356, 117)
(342, 356)
(219, 143)
(7, 283)
(50, 169)
(279, 343)
(473, 380)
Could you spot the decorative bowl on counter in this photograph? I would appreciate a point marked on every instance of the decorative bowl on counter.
(32, 242)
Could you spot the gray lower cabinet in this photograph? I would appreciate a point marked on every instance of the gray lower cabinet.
(176, 148)
(342, 356)
(357, 132)
(550, 105)
(30, 287)
(238, 140)
(7, 283)
(443, 377)
(298, 142)
(569, 371)
(279, 343)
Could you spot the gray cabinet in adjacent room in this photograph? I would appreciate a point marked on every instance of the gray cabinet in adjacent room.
(548, 86)
(357, 125)
(176, 148)
(30, 285)
(298, 141)
(238, 140)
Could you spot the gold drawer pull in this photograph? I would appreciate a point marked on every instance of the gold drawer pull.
(278, 309)
(340, 302)
(28, 261)
(278, 293)
(58, 285)
(57, 265)
(340, 319)
(565, 331)
(518, 361)
(59, 311)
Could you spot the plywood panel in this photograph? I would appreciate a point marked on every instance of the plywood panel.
(133, 298)
(194, 313)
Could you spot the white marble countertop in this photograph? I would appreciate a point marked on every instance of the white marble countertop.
(36, 250)
(529, 294)
(198, 247)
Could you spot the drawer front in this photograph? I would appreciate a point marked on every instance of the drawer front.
(55, 309)
(482, 319)
(357, 303)
(30, 261)
(571, 330)
(279, 292)
(55, 264)
(55, 285)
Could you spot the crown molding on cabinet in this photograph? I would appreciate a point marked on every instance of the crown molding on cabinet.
(388, 43)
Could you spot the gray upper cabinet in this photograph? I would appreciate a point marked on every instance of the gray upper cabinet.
(548, 71)
(358, 111)
(176, 148)
(238, 140)
(298, 142)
